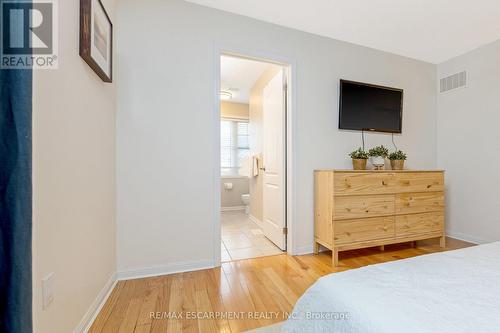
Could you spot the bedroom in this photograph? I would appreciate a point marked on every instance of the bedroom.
(125, 205)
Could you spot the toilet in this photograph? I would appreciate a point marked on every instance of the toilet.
(246, 201)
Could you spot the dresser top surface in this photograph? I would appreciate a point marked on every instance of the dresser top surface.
(376, 171)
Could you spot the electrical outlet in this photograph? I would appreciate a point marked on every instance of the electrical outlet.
(47, 290)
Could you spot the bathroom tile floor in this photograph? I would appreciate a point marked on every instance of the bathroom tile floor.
(243, 239)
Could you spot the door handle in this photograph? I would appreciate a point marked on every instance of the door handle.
(262, 169)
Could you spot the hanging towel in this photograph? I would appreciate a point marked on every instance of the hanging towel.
(246, 168)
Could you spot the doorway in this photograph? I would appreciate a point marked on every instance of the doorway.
(253, 158)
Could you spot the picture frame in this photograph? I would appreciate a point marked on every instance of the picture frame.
(96, 38)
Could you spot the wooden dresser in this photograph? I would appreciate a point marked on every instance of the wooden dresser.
(358, 209)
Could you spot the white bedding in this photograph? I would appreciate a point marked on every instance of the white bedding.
(450, 292)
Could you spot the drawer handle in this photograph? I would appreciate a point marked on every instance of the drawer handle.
(385, 228)
(384, 183)
(348, 233)
(429, 186)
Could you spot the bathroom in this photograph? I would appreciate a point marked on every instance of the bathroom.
(242, 158)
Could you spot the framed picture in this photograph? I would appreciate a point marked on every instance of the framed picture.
(96, 38)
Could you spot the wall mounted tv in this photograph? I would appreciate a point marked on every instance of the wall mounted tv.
(370, 108)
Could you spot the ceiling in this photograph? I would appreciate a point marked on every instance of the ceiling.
(239, 75)
(428, 30)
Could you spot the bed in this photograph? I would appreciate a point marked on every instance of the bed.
(455, 291)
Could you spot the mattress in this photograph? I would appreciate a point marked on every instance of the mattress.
(449, 292)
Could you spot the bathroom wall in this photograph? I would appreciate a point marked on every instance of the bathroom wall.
(255, 110)
(234, 110)
(232, 198)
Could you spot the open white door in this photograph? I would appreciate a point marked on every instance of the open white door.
(274, 220)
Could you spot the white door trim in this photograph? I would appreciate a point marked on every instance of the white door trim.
(291, 69)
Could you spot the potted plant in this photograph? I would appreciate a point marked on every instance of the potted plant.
(359, 157)
(397, 160)
(378, 155)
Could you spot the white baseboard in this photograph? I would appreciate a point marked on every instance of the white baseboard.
(467, 238)
(232, 208)
(97, 304)
(303, 250)
(256, 220)
(178, 267)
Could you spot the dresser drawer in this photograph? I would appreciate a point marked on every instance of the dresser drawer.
(411, 203)
(354, 207)
(354, 231)
(364, 183)
(420, 182)
(415, 224)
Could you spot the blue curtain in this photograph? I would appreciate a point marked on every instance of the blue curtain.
(15, 201)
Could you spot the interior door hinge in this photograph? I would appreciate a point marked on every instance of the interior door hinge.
(285, 231)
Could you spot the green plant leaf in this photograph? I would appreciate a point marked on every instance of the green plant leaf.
(359, 154)
(378, 151)
(397, 155)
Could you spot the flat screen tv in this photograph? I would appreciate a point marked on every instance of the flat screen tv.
(370, 108)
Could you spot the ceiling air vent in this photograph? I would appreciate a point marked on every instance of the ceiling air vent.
(453, 82)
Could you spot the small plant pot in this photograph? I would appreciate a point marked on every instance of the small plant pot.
(397, 164)
(358, 164)
(378, 161)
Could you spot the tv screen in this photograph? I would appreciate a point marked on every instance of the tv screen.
(369, 107)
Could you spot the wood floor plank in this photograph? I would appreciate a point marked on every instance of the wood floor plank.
(204, 308)
(130, 319)
(117, 315)
(281, 285)
(143, 328)
(105, 313)
(189, 303)
(147, 307)
(213, 281)
(159, 325)
(174, 324)
(237, 300)
(262, 285)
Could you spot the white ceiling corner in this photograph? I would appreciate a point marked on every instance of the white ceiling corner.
(429, 30)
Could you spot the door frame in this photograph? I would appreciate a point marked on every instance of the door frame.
(290, 156)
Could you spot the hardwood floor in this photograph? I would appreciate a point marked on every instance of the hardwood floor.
(238, 296)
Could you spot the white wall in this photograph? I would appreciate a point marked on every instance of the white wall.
(166, 63)
(468, 145)
(73, 182)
